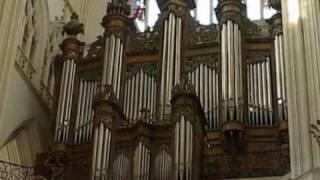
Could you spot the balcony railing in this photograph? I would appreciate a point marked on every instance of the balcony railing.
(10, 171)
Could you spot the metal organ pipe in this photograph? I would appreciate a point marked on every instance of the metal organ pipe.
(65, 101)
(280, 78)
(260, 95)
(231, 67)
(170, 60)
(183, 149)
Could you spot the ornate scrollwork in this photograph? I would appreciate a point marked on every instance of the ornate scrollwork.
(106, 93)
(118, 7)
(17, 172)
(148, 68)
(209, 60)
(204, 34)
(185, 87)
(315, 131)
(144, 41)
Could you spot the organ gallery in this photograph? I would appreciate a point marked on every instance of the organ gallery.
(179, 101)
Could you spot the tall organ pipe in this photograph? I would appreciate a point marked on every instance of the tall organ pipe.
(63, 117)
(171, 60)
(231, 66)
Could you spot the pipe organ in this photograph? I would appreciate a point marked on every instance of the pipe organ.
(259, 93)
(187, 102)
(231, 72)
(162, 165)
(84, 118)
(171, 59)
(183, 149)
(281, 80)
(120, 169)
(112, 64)
(205, 78)
(140, 94)
(63, 117)
(141, 161)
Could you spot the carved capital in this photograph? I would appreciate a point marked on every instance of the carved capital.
(232, 10)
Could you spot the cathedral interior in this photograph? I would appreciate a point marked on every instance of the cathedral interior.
(165, 91)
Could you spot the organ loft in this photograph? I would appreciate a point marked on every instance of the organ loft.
(180, 101)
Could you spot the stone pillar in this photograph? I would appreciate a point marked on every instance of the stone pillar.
(301, 49)
(189, 120)
(231, 14)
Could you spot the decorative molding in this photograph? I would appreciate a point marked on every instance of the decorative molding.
(315, 131)
(24, 63)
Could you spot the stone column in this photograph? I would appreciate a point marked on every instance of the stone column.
(301, 49)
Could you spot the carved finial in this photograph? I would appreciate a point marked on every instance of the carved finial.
(73, 27)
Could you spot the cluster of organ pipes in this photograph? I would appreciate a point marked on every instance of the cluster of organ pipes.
(171, 59)
(84, 118)
(280, 77)
(231, 67)
(101, 152)
(112, 65)
(206, 82)
(162, 166)
(120, 169)
(140, 94)
(141, 168)
(63, 117)
(259, 93)
(183, 149)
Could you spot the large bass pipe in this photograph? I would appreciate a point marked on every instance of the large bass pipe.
(163, 69)
(115, 69)
(105, 62)
(84, 110)
(269, 89)
(224, 65)
(80, 104)
(170, 59)
(69, 101)
(177, 145)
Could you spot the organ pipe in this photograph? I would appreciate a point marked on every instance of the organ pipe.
(63, 117)
(183, 149)
(141, 162)
(171, 59)
(231, 67)
(205, 80)
(260, 95)
(140, 98)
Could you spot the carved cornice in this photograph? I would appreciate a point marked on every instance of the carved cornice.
(148, 68)
(185, 87)
(276, 24)
(232, 10)
(146, 41)
(204, 34)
